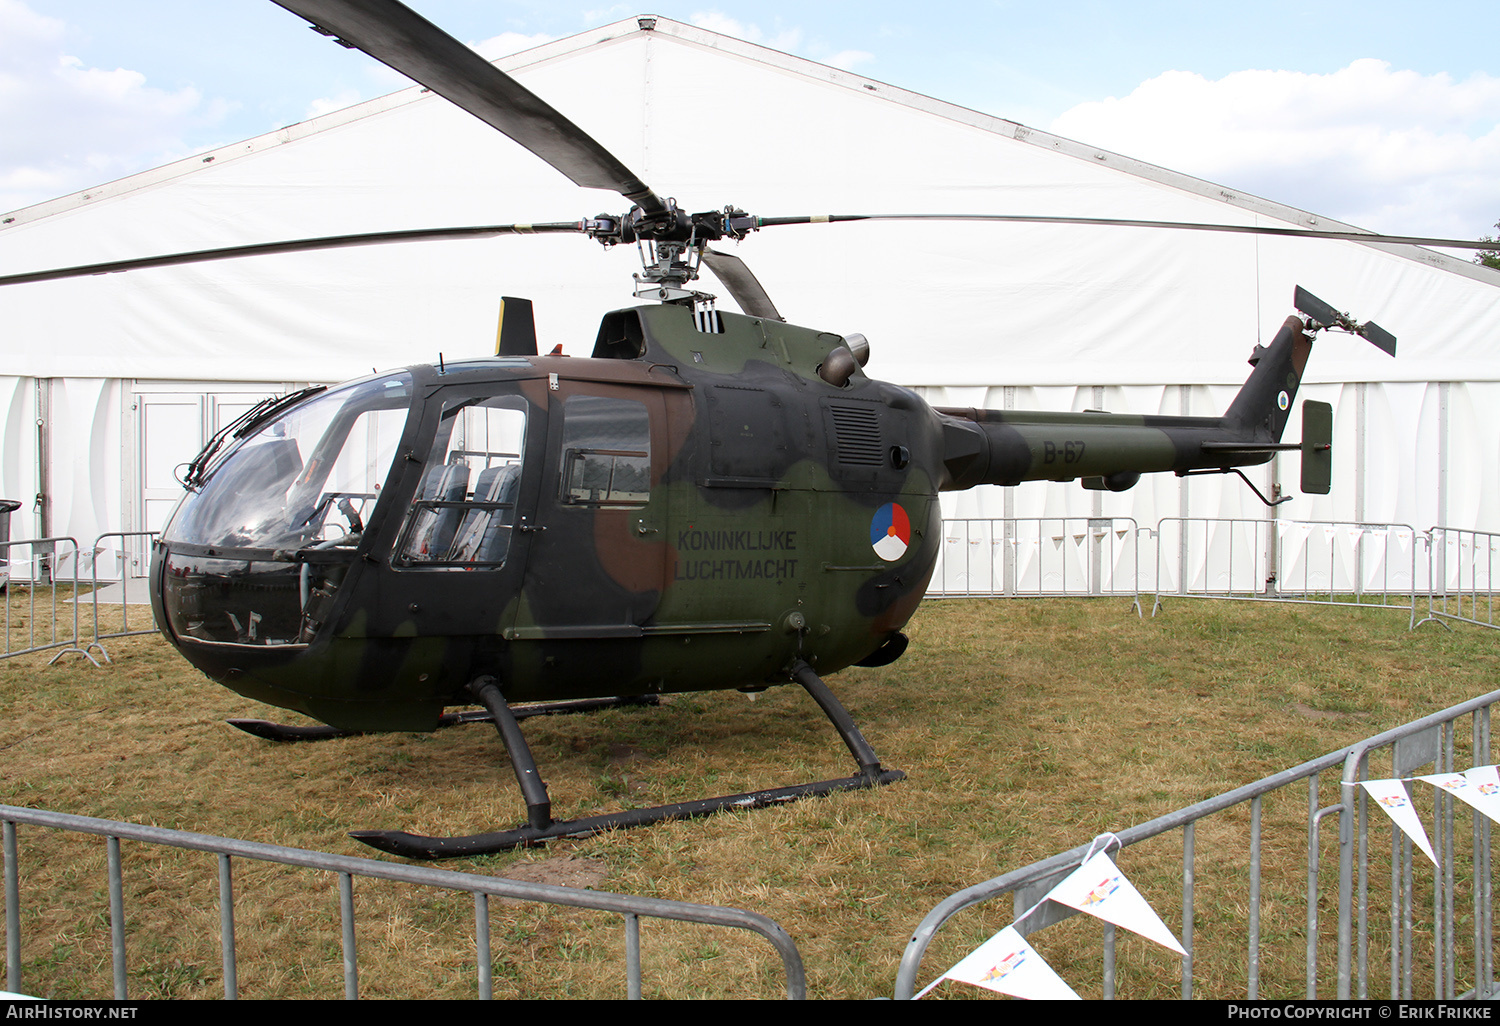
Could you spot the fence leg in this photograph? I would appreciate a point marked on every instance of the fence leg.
(1187, 910)
(484, 959)
(117, 916)
(226, 929)
(351, 957)
(632, 956)
(12, 912)
(1109, 961)
(1253, 991)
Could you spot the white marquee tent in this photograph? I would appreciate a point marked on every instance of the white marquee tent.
(108, 383)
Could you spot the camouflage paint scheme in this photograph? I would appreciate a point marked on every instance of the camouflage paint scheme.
(769, 486)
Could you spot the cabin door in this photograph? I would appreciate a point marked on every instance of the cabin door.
(597, 554)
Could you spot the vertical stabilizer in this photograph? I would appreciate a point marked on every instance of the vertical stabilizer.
(1264, 404)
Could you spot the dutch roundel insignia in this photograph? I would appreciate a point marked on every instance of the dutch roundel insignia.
(890, 532)
(1283, 400)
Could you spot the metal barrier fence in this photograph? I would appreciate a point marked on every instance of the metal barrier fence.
(50, 578)
(482, 888)
(1428, 741)
(123, 552)
(1328, 562)
(1053, 556)
(36, 574)
(1464, 567)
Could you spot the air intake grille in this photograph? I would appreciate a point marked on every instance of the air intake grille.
(857, 433)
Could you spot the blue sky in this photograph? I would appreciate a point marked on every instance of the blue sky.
(1380, 113)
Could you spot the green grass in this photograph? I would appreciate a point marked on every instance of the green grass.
(1026, 727)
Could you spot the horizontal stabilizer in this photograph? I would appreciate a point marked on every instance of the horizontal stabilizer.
(1248, 448)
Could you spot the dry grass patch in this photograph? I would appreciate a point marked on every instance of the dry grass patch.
(1026, 728)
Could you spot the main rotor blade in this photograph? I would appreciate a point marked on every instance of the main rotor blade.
(742, 285)
(199, 256)
(402, 39)
(1116, 222)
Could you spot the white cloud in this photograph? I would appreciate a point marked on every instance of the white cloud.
(67, 126)
(1386, 149)
(22, 23)
(604, 15)
(328, 104)
(507, 43)
(785, 40)
(847, 59)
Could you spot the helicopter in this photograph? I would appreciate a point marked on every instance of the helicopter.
(709, 501)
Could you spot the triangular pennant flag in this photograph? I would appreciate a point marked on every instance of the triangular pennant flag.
(1487, 784)
(1293, 534)
(1467, 789)
(1485, 778)
(1393, 800)
(1101, 890)
(1007, 964)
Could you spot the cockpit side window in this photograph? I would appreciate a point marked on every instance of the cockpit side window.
(465, 509)
(606, 458)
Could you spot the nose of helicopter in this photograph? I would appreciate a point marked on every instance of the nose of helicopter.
(245, 573)
(246, 625)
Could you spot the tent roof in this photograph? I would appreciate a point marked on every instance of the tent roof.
(719, 119)
(668, 29)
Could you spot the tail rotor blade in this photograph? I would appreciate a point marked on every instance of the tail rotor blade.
(1379, 337)
(1325, 316)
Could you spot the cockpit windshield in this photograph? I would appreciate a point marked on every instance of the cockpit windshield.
(306, 478)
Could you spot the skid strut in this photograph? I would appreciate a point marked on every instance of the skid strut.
(540, 827)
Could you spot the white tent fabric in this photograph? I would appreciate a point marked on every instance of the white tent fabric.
(1024, 316)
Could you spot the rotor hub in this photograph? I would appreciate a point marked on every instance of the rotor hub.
(671, 243)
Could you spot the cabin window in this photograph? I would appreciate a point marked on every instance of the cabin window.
(606, 449)
(465, 508)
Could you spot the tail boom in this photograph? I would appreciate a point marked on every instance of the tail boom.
(1113, 450)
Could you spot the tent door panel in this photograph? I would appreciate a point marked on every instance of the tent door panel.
(171, 429)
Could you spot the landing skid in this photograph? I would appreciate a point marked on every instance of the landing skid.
(541, 827)
(287, 733)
